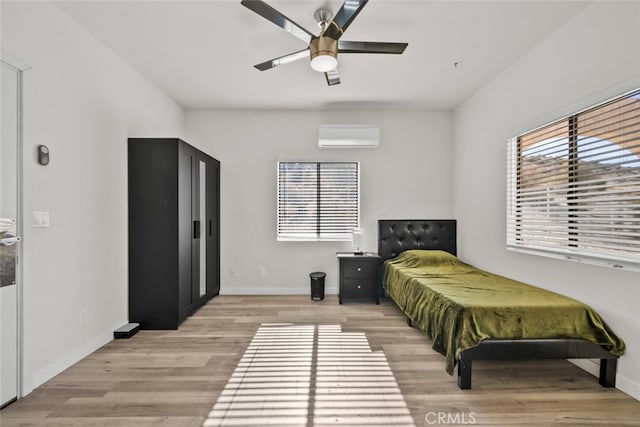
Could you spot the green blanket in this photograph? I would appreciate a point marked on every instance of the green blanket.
(458, 306)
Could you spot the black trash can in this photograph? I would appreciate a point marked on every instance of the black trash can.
(317, 285)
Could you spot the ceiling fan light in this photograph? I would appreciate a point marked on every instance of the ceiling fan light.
(324, 63)
(324, 54)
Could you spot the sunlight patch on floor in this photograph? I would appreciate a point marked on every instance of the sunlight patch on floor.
(308, 375)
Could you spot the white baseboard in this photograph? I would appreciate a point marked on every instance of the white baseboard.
(43, 375)
(241, 290)
(631, 388)
(623, 383)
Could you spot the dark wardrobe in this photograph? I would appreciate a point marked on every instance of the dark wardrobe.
(174, 231)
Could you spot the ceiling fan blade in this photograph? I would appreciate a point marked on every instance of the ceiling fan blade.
(333, 78)
(347, 13)
(272, 63)
(371, 47)
(271, 14)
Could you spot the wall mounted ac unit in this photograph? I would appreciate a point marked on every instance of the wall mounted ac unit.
(348, 136)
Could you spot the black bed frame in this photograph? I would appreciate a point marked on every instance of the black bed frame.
(398, 235)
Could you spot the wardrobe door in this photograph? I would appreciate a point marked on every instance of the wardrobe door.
(213, 227)
(187, 229)
(153, 236)
(200, 240)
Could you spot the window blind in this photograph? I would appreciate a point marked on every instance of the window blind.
(318, 200)
(573, 186)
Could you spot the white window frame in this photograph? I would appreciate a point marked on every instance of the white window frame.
(519, 226)
(331, 235)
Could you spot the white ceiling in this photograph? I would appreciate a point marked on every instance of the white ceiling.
(201, 53)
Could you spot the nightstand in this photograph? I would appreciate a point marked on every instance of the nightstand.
(359, 276)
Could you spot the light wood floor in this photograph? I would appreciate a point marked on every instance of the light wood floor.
(173, 378)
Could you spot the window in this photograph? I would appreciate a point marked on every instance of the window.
(318, 200)
(573, 187)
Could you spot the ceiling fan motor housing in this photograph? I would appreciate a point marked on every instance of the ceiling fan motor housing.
(323, 46)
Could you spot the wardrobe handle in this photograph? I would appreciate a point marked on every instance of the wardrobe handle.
(210, 229)
(196, 229)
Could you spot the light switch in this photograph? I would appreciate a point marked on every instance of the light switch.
(40, 219)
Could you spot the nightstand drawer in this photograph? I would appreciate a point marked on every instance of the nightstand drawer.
(360, 268)
(359, 289)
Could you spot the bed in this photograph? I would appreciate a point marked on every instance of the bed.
(471, 314)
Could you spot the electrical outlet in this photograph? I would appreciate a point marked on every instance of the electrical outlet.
(262, 272)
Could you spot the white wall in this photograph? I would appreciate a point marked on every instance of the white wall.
(592, 58)
(407, 176)
(83, 102)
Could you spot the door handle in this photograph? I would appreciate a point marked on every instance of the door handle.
(196, 229)
(9, 239)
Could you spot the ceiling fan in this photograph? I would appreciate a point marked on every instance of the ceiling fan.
(322, 49)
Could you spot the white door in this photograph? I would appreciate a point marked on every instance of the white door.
(9, 228)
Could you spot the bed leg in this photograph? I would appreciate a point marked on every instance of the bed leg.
(608, 372)
(409, 322)
(464, 374)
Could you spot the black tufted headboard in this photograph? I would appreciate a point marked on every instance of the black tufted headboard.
(398, 235)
